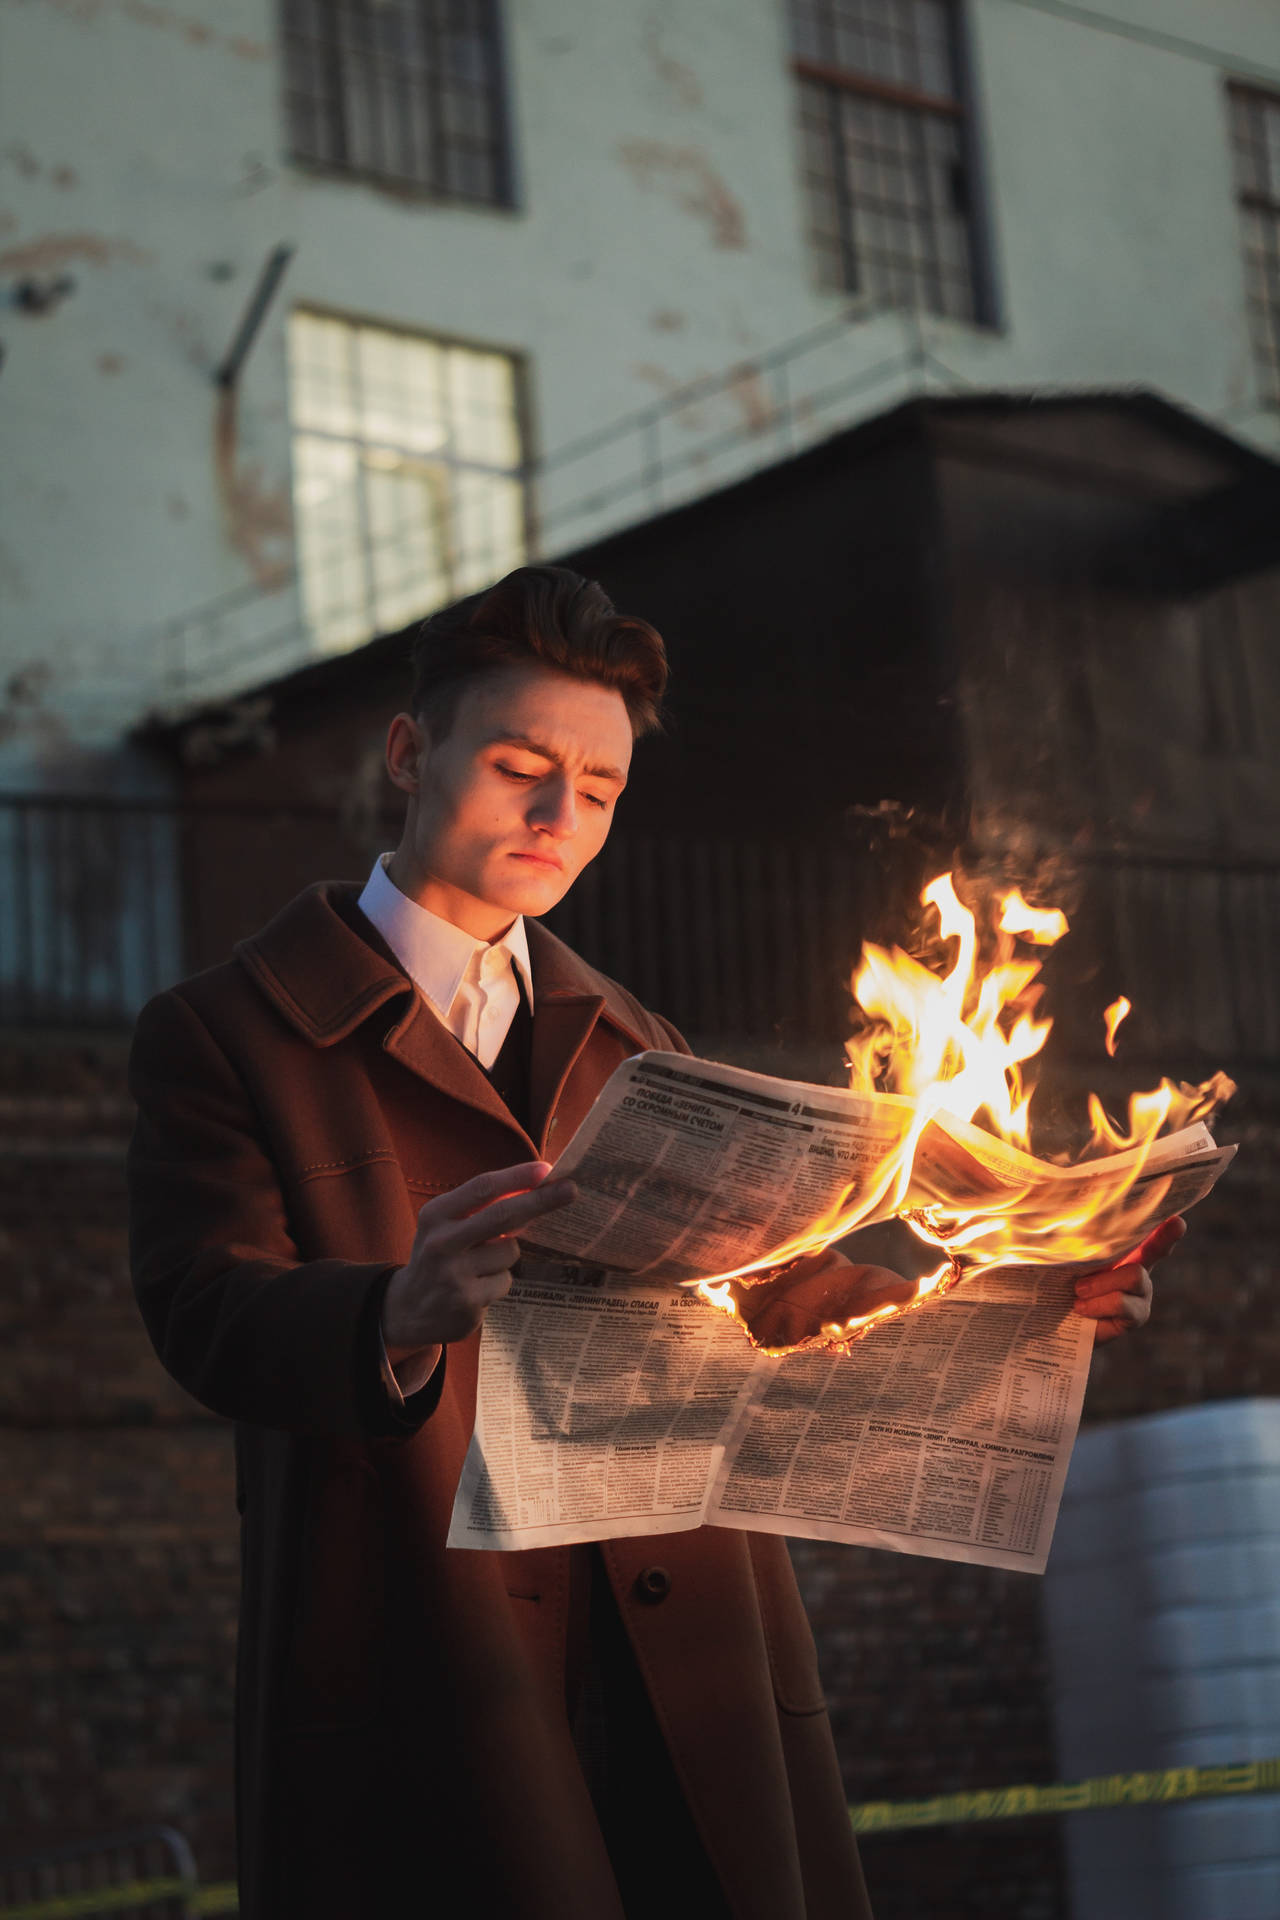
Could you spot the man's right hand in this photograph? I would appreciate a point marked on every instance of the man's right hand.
(463, 1251)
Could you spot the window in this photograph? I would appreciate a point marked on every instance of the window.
(884, 143)
(406, 91)
(407, 474)
(1255, 137)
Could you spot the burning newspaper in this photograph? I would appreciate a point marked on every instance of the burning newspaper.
(824, 1399)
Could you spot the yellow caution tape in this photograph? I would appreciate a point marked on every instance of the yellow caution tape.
(132, 1893)
(872, 1816)
(1109, 1790)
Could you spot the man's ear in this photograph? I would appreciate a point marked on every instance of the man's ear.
(405, 740)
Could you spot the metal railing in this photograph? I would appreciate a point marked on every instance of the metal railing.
(145, 1873)
(104, 902)
(90, 920)
(700, 436)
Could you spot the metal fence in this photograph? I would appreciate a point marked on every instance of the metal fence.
(89, 910)
(147, 1873)
(103, 902)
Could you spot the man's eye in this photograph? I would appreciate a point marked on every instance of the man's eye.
(594, 800)
(514, 773)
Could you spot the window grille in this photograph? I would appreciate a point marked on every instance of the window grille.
(884, 142)
(405, 91)
(1255, 140)
(407, 473)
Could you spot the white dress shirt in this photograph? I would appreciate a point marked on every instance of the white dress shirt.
(468, 983)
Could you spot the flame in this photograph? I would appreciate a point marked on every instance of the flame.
(1114, 1014)
(1043, 925)
(959, 1038)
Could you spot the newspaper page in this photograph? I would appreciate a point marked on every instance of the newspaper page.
(686, 1168)
(614, 1401)
(604, 1410)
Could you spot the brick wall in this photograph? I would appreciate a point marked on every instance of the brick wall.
(118, 1539)
(118, 1573)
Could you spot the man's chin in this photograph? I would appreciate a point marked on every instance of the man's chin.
(535, 890)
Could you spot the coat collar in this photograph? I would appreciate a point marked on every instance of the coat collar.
(327, 970)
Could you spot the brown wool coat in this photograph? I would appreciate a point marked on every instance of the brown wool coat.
(401, 1728)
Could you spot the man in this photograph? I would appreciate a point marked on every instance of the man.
(341, 1134)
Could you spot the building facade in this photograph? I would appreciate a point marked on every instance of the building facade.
(315, 315)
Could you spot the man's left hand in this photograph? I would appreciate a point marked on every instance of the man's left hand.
(1120, 1299)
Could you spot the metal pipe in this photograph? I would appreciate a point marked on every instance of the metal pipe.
(263, 294)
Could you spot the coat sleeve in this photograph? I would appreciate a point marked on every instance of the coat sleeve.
(234, 1315)
(672, 1036)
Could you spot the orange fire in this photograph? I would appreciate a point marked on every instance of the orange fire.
(960, 1043)
(1111, 1019)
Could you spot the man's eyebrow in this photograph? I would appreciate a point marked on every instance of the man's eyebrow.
(557, 759)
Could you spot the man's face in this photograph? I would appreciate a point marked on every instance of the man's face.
(511, 805)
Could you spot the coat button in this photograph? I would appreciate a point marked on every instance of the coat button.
(652, 1585)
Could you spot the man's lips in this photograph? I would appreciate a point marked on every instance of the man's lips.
(547, 860)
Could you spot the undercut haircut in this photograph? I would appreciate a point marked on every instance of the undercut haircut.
(543, 617)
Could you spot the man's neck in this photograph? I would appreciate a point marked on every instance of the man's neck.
(475, 917)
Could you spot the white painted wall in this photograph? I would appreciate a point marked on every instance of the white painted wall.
(660, 236)
(1164, 1638)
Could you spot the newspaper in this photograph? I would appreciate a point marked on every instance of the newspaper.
(615, 1400)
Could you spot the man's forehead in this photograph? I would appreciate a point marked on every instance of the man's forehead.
(567, 720)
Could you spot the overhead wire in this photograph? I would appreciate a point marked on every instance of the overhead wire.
(1236, 64)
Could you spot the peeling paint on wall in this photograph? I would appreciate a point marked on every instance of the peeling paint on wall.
(744, 390)
(56, 249)
(258, 518)
(20, 157)
(688, 179)
(23, 159)
(145, 13)
(749, 394)
(681, 82)
(692, 418)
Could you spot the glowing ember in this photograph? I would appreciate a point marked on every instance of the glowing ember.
(1114, 1014)
(957, 1043)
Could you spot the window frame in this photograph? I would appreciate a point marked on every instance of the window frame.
(1266, 360)
(524, 473)
(962, 109)
(505, 198)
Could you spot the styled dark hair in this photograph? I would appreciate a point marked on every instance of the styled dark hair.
(540, 616)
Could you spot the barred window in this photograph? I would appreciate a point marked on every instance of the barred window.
(407, 473)
(884, 146)
(1255, 139)
(405, 91)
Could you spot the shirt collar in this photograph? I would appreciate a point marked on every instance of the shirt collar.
(433, 952)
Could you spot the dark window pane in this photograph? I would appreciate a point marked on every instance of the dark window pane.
(1255, 145)
(886, 179)
(381, 87)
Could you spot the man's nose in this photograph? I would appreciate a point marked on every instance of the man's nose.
(555, 810)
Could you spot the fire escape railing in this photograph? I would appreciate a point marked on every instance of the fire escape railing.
(700, 436)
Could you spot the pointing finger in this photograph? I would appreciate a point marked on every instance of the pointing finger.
(487, 1187)
(510, 1214)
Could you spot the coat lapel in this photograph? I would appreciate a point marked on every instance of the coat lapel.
(327, 971)
(420, 1043)
(569, 1000)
